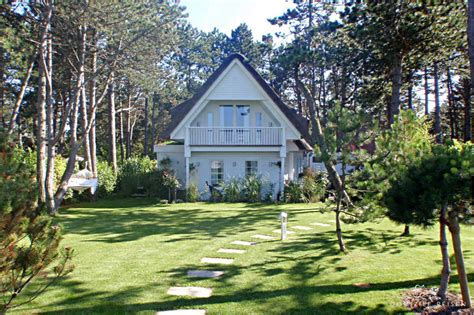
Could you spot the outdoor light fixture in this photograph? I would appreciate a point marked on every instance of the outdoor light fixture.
(284, 224)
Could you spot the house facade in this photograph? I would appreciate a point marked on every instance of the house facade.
(235, 126)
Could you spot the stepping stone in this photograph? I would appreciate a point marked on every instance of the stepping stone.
(320, 224)
(244, 243)
(299, 227)
(287, 232)
(231, 251)
(221, 261)
(263, 237)
(182, 312)
(190, 291)
(205, 273)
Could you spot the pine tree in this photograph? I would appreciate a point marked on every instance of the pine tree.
(29, 241)
(439, 185)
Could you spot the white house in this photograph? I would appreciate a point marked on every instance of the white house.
(235, 125)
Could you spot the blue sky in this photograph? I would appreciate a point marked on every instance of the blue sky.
(226, 15)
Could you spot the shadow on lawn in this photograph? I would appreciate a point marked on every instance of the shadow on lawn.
(132, 220)
(129, 220)
(303, 296)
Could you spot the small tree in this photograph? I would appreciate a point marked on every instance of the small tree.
(172, 183)
(342, 134)
(29, 241)
(439, 186)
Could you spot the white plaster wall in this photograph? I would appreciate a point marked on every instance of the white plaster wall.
(176, 154)
(234, 166)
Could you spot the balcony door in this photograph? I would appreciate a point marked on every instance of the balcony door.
(243, 124)
(227, 123)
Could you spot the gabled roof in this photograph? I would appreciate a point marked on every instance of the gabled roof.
(179, 112)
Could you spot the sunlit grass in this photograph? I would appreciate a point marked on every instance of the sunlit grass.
(129, 252)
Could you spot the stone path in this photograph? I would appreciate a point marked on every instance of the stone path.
(320, 224)
(263, 237)
(304, 228)
(231, 251)
(190, 291)
(201, 292)
(182, 312)
(220, 261)
(205, 273)
(244, 243)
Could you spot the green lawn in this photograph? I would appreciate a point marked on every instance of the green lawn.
(129, 252)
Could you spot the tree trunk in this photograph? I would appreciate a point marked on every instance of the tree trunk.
(443, 244)
(321, 142)
(470, 40)
(132, 128)
(299, 103)
(153, 121)
(466, 96)
(437, 123)
(41, 158)
(340, 240)
(455, 230)
(112, 147)
(406, 230)
(410, 97)
(19, 100)
(467, 116)
(84, 116)
(92, 102)
(451, 104)
(122, 150)
(145, 144)
(128, 125)
(50, 125)
(63, 185)
(394, 108)
(427, 91)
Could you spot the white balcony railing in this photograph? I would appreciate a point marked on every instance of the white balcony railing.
(235, 136)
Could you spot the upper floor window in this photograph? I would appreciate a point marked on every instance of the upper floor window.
(227, 115)
(251, 168)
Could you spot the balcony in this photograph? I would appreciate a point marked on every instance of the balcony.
(237, 136)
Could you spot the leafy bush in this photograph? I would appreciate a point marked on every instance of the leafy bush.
(135, 173)
(192, 193)
(107, 178)
(252, 188)
(310, 188)
(293, 192)
(216, 196)
(314, 185)
(232, 190)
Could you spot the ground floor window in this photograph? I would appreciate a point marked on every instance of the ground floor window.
(217, 172)
(251, 168)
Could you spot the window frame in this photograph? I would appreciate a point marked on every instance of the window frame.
(251, 168)
(217, 173)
